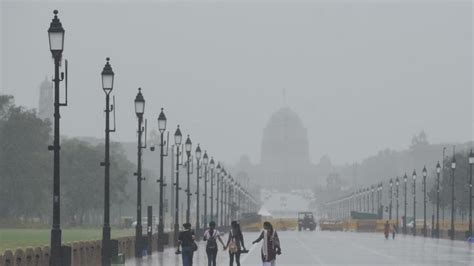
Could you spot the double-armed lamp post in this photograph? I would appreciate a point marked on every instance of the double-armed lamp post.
(414, 202)
(162, 129)
(218, 186)
(205, 162)
(397, 182)
(405, 179)
(212, 165)
(453, 167)
(56, 46)
(107, 86)
(188, 146)
(438, 172)
(471, 162)
(198, 154)
(390, 204)
(177, 141)
(139, 110)
(425, 228)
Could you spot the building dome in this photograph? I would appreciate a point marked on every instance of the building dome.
(284, 138)
(285, 159)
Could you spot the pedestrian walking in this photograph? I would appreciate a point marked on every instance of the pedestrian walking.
(394, 230)
(386, 229)
(271, 244)
(235, 243)
(211, 236)
(188, 246)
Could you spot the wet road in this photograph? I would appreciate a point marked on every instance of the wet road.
(339, 248)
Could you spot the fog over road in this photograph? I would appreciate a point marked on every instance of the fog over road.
(340, 248)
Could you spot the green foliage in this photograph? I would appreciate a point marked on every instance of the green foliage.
(26, 171)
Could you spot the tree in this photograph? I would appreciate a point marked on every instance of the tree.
(24, 161)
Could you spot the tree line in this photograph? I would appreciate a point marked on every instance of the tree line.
(26, 171)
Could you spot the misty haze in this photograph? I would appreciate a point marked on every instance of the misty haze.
(236, 132)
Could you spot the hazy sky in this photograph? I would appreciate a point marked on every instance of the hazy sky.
(363, 76)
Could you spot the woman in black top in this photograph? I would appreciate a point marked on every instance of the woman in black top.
(186, 241)
(235, 243)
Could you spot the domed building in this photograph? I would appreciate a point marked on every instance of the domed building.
(285, 161)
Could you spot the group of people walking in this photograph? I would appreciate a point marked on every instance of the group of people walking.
(235, 244)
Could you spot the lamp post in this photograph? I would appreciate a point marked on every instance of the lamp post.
(453, 167)
(390, 204)
(380, 209)
(212, 165)
(471, 162)
(198, 166)
(397, 182)
(231, 199)
(205, 161)
(218, 172)
(56, 46)
(107, 86)
(177, 141)
(414, 202)
(161, 128)
(188, 147)
(372, 195)
(223, 174)
(405, 179)
(139, 110)
(223, 197)
(438, 172)
(239, 195)
(425, 228)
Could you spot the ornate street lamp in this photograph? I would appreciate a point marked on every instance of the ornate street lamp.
(405, 179)
(223, 191)
(471, 162)
(218, 175)
(188, 147)
(438, 172)
(390, 204)
(397, 182)
(425, 228)
(177, 141)
(198, 154)
(107, 86)
(212, 165)
(56, 46)
(414, 202)
(139, 110)
(162, 128)
(205, 162)
(453, 167)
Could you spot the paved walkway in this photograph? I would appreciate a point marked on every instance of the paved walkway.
(339, 248)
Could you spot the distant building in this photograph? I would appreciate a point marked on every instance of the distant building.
(46, 100)
(285, 162)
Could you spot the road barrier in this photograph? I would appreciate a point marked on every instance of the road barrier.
(81, 253)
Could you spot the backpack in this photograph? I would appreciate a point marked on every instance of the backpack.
(211, 242)
(233, 248)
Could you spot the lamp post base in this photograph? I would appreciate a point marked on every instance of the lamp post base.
(106, 258)
(138, 242)
(55, 259)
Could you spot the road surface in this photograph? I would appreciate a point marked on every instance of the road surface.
(338, 248)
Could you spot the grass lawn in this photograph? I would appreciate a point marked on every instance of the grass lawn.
(15, 238)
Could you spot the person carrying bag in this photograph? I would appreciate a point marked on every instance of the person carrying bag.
(211, 236)
(188, 245)
(235, 243)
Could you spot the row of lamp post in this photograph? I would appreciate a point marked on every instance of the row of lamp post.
(360, 200)
(236, 197)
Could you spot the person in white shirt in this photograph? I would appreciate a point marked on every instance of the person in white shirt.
(211, 235)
